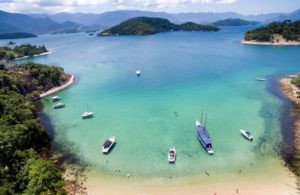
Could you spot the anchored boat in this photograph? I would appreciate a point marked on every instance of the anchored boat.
(172, 155)
(87, 115)
(58, 105)
(203, 136)
(247, 134)
(261, 79)
(108, 145)
(56, 98)
(138, 73)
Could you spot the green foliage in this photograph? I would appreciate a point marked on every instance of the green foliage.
(16, 35)
(8, 53)
(146, 26)
(22, 170)
(296, 80)
(290, 31)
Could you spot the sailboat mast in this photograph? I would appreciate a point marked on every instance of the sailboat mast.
(201, 116)
(205, 121)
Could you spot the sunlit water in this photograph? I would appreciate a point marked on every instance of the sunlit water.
(183, 73)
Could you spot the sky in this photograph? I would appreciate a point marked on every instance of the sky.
(175, 6)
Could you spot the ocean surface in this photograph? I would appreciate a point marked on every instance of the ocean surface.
(183, 74)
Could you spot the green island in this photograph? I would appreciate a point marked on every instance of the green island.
(24, 143)
(234, 22)
(276, 32)
(16, 35)
(147, 26)
(24, 50)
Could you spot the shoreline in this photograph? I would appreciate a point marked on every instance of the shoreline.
(290, 91)
(236, 183)
(36, 55)
(290, 43)
(67, 84)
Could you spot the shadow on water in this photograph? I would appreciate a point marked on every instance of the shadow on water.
(67, 155)
(68, 152)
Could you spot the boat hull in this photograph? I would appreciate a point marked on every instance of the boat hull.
(106, 150)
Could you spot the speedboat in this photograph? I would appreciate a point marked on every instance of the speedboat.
(247, 134)
(172, 155)
(138, 72)
(87, 115)
(108, 144)
(261, 79)
(204, 138)
(58, 105)
(56, 98)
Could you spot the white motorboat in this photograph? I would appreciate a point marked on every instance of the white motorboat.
(247, 134)
(172, 155)
(87, 115)
(56, 98)
(58, 105)
(138, 72)
(261, 79)
(108, 145)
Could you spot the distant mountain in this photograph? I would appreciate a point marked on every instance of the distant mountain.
(15, 22)
(234, 22)
(115, 17)
(53, 23)
(294, 16)
(147, 26)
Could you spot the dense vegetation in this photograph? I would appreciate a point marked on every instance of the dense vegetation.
(16, 35)
(23, 170)
(234, 22)
(288, 30)
(7, 53)
(146, 26)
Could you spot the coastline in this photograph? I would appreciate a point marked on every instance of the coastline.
(290, 43)
(242, 183)
(67, 84)
(36, 55)
(289, 90)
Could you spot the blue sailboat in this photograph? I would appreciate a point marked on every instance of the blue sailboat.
(203, 136)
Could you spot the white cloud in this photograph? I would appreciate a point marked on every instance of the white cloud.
(226, 1)
(74, 5)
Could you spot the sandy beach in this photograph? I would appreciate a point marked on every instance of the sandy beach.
(246, 184)
(37, 55)
(68, 83)
(290, 43)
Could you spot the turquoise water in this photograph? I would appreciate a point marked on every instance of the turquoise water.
(182, 74)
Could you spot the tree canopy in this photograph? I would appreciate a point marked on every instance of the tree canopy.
(146, 26)
(7, 53)
(22, 169)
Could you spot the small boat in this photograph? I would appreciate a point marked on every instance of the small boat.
(138, 72)
(87, 115)
(108, 144)
(172, 155)
(247, 134)
(203, 137)
(56, 98)
(261, 79)
(58, 105)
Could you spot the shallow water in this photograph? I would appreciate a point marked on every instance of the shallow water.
(183, 73)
